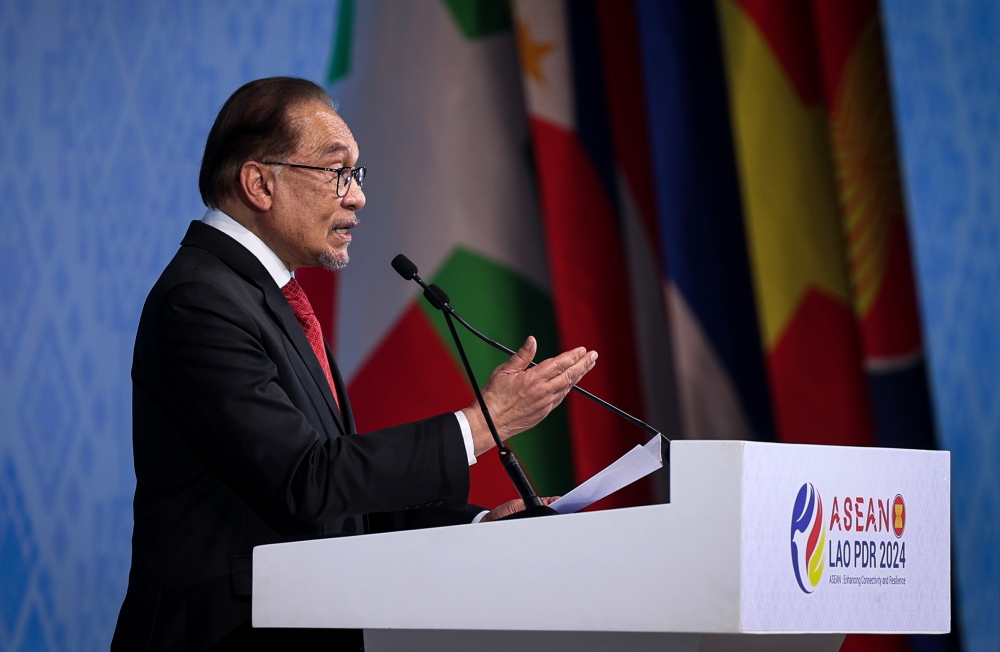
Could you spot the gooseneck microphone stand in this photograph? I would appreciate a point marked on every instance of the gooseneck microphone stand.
(532, 503)
(448, 310)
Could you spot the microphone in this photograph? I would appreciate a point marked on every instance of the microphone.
(436, 296)
(439, 299)
(405, 268)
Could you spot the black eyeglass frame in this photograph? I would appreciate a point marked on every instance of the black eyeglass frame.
(356, 173)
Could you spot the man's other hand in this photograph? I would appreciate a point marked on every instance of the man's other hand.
(518, 397)
(512, 507)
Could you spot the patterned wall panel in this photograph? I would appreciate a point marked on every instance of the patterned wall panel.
(945, 62)
(104, 108)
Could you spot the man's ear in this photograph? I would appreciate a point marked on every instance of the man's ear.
(257, 186)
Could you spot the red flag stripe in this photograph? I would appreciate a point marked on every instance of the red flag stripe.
(620, 57)
(592, 300)
(413, 375)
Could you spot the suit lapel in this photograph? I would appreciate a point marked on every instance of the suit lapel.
(345, 402)
(246, 264)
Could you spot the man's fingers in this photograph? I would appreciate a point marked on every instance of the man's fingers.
(562, 382)
(573, 375)
(524, 355)
(553, 367)
(508, 508)
(520, 397)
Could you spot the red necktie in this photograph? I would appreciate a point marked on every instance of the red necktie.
(303, 310)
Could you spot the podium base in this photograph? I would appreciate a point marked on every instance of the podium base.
(429, 640)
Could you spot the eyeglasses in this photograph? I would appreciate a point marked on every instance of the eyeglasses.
(344, 175)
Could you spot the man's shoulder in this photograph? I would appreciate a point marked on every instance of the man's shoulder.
(199, 273)
(208, 256)
(197, 283)
(196, 265)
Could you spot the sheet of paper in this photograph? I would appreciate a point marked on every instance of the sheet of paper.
(633, 465)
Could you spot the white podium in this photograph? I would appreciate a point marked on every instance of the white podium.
(762, 547)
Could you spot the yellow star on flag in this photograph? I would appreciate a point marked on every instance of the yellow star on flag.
(532, 52)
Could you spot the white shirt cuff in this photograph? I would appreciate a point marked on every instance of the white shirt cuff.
(480, 515)
(470, 450)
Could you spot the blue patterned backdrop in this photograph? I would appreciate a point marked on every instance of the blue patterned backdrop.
(104, 110)
(945, 62)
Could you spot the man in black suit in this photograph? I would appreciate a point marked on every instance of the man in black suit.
(242, 429)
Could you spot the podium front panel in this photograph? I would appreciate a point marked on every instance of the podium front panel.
(845, 539)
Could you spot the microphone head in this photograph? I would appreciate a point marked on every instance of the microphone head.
(433, 299)
(441, 295)
(404, 267)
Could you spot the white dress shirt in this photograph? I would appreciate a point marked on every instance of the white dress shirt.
(281, 276)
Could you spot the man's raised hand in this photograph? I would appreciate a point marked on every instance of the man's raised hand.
(518, 397)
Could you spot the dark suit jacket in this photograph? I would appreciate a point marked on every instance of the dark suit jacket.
(238, 442)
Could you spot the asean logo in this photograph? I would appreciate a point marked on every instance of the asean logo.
(898, 516)
(808, 538)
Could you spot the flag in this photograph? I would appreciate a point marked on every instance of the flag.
(706, 272)
(791, 210)
(587, 171)
(431, 91)
(862, 137)
(629, 127)
(809, 270)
